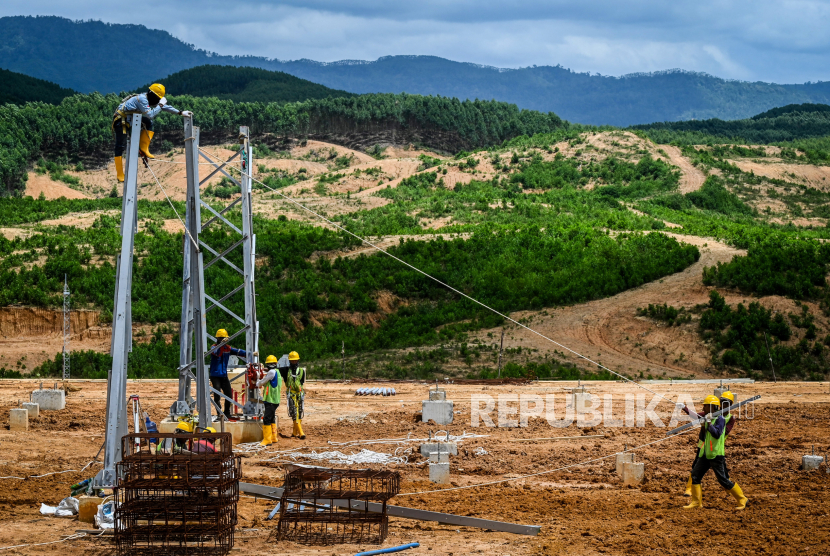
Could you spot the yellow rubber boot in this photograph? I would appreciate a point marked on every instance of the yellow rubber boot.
(266, 435)
(300, 432)
(119, 168)
(738, 495)
(688, 487)
(294, 430)
(144, 144)
(697, 498)
(275, 436)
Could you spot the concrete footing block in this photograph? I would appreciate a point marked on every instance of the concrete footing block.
(622, 458)
(429, 448)
(439, 473)
(808, 463)
(49, 400)
(241, 431)
(18, 419)
(633, 473)
(439, 411)
(32, 408)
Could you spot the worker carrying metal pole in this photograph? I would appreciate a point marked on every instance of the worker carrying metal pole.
(294, 378)
(219, 357)
(272, 381)
(148, 105)
(712, 455)
(730, 423)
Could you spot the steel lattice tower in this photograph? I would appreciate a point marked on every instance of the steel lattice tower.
(66, 328)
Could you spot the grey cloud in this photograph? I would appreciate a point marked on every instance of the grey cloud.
(783, 41)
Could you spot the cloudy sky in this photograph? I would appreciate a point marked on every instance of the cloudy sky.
(784, 41)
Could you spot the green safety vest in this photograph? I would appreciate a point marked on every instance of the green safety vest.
(714, 447)
(295, 384)
(273, 389)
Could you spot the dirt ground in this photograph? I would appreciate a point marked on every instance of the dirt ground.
(584, 510)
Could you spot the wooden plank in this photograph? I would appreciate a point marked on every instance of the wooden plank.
(275, 493)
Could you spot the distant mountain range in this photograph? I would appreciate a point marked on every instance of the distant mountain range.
(112, 58)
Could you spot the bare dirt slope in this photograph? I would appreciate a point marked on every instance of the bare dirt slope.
(583, 510)
(691, 179)
(37, 184)
(610, 332)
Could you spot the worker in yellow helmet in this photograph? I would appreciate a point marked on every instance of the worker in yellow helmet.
(272, 381)
(219, 357)
(148, 105)
(294, 378)
(730, 422)
(712, 455)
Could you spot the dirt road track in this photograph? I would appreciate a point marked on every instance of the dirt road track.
(691, 179)
(610, 332)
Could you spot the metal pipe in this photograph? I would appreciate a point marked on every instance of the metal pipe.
(389, 550)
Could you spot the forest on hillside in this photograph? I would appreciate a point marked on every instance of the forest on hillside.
(16, 88)
(241, 84)
(79, 127)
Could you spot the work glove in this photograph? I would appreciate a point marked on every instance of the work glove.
(708, 419)
(680, 406)
(163, 101)
(186, 114)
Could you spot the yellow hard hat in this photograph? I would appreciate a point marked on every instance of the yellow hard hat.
(221, 333)
(711, 400)
(210, 429)
(293, 356)
(270, 359)
(157, 89)
(185, 426)
(729, 396)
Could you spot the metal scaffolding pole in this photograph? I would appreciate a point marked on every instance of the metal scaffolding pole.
(249, 267)
(122, 316)
(66, 328)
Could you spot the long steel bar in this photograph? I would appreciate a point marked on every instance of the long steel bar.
(274, 493)
(715, 414)
(197, 277)
(249, 265)
(122, 316)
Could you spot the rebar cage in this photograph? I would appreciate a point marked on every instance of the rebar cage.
(331, 506)
(176, 494)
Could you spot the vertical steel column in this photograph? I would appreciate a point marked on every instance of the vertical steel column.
(197, 279)
(66, 328)
(122, 326)
(249, 266)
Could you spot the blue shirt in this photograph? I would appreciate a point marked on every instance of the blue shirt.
(219, 359)
(139, 104)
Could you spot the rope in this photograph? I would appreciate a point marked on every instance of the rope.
(580, 464)
(387, 253)
(69, 538)
(53, 473)
(186, 231)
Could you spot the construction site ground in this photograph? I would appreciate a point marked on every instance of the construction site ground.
(583, 510)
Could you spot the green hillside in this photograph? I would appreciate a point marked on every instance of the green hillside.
(244, 85)
(16, 88)
(788, 123)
